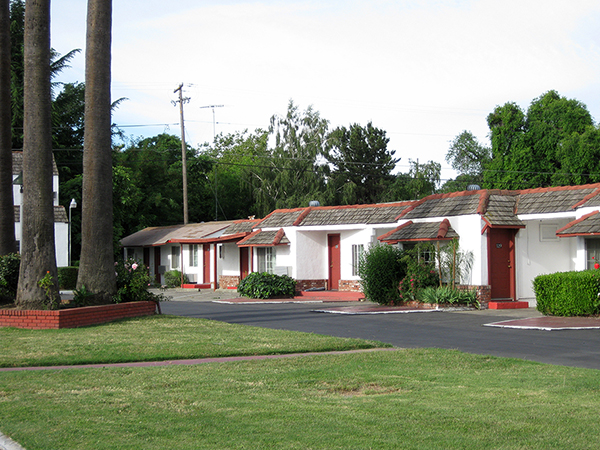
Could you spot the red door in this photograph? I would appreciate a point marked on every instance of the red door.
(333, 246)
(244, 266)
(206, 263)
(501, 263)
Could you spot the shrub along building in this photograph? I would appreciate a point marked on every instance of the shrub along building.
(512, 236)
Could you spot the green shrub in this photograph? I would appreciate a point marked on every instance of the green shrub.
(67, 277)
(133, 280)
(381, 269)
(447, 295)
(9, 277)
(267, 285)
(419, 272)
(173, 278)
(568, 293)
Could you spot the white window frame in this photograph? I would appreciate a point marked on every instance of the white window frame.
(193, 249)
(175, 255)
(266, 259)
(357, 252)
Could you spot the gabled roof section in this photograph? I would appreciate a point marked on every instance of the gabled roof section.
(17, 163)
(588, 225)
(379, 213)
(60, 214)
(189, 233)
(280, 218)
(500, 210)
(557, 199)
(444, 205)
(241, 226)
(420, 231)
(265, 239)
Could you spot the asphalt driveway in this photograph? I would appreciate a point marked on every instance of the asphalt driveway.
(462, 330)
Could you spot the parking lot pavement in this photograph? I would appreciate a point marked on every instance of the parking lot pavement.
(196, 295)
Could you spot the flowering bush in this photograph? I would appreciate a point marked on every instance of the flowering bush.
(420, 273)
(133, 280)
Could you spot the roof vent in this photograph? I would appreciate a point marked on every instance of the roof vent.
(314, 203)
(473, 187)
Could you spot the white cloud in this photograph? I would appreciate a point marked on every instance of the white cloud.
(421, 70)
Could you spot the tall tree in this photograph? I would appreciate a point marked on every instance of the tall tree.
(362, 163)
(527, 149)
(8, 243)
(96, 267)
(294, 176)
(37, 212)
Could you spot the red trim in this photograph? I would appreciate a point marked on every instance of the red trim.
(575, 222)
(302, 216)
(251, 235)
(443, 230)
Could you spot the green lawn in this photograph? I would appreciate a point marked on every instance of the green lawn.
(409, 399)
(157, 338)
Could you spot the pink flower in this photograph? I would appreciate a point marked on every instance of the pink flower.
(134, 266)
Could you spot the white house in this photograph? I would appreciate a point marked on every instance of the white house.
(61, 220)
(513, 236)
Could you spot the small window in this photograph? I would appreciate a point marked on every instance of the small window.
(548, 232)
(194, 255)
(130, 253)
(266, 259)
(592, 250)
(174, 257)
(357, 251)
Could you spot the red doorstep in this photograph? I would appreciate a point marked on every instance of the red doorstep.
(508, 305)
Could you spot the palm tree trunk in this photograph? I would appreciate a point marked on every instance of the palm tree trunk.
(37, 211)
(96, 267)
(8, 244)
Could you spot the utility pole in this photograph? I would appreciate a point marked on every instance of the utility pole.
(181, 101)
(213, 111)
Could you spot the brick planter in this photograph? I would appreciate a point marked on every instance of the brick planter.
(74, 317)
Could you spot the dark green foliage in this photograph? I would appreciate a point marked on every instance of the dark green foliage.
(67, 277)
(447, 295)
(362, 163)
(420, 271)
(568, 293)
(173, 278)
(9, 277)
(132, 282)
(543, 146)
(381, 269)
(81, 297)
(267, 285)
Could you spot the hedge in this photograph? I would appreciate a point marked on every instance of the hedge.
(267, 285)
(568, 293)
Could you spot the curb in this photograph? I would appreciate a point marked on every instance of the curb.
(7, 443)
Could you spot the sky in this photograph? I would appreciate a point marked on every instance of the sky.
(422, 70)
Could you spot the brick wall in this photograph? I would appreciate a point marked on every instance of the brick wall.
(228, 281)
(484, 293)
(74, 317)
(349, 286)
(304, 285)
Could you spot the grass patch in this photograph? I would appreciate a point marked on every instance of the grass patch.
(158, 338)
(410, 399)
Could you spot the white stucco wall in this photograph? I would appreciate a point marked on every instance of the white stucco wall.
(537, 254)
(309, 250)
(229, 262)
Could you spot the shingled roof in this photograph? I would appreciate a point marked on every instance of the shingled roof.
(335, 215)
(557, 199)
(241, 226)
(17, 163)
(420, 231)
(154, 236)
(60, 214)
(265, 239)
(588, 225)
